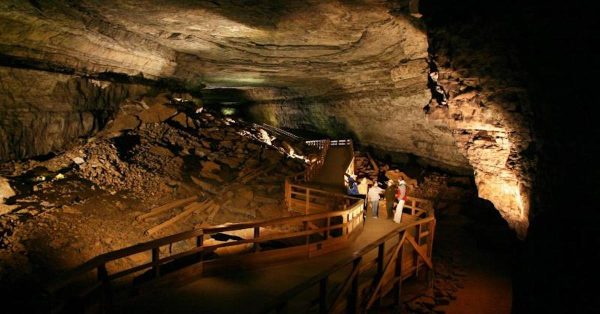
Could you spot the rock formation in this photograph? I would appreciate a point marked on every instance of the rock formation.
(344, 68)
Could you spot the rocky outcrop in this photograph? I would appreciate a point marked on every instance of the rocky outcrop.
(41, 112)
(479, 93)
(344, 68)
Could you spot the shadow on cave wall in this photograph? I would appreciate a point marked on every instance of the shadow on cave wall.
(545, 47)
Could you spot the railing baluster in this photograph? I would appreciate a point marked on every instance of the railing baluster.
(256, 235)
(307, 201)
(305, 225)
(398, 276)
(380, 265)
(102, 275)
(354, 302)
(156, 261)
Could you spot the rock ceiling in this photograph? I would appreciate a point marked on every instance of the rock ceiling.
(341, 67)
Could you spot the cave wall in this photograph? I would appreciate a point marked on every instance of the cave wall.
(41, 112)
(385, 120)
(505, 88)
(482, 96)
(534, 62)
(345, 68)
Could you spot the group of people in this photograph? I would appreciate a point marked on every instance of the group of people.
(394, 194)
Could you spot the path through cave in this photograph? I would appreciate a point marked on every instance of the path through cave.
(110, 108)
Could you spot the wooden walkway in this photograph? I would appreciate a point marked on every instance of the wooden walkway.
(248, 291)
(342, 261)
(335, 166)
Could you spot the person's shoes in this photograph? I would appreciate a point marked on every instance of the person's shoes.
(375, 217)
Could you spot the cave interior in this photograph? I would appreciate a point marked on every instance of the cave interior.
(110, 108)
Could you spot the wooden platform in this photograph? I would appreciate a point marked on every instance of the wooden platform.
(248, 291)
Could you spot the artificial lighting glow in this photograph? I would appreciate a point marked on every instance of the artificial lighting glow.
(228, 111)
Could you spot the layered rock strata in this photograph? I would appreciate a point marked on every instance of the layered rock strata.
(344, 68)
(41, 112)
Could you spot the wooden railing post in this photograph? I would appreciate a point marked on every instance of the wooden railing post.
(430, 272)
(156, 261)
(398, 277)
(200, 240)
(380, 266)
(354, 302)
(256, 246)
(323, 295)
(415, 254)
(105, 299)
(305, 225)
(307, 201)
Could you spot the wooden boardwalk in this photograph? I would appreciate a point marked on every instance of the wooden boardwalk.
(248, 291)
(328, 252)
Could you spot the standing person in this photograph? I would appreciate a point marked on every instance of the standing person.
(374, 198)
(390, 198)
(352, 186)
(363, 188)
(401, 196)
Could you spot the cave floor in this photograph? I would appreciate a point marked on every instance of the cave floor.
(77, 212)
(484, 273)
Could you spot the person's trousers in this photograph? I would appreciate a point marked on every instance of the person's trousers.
(375, 208)
(389, 206)
(398, 214)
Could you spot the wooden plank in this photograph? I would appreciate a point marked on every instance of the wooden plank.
(186, 212)
(161, 209)
(388, 268)
(420, 251)
(212, 212)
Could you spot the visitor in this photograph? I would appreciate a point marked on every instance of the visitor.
(363, 187)
(352, 186)
(373, 197)
(390, 198)
(401, 196)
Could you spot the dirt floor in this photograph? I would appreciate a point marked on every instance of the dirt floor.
(83, 202)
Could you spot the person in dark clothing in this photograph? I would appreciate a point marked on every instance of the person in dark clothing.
(352, 185)
(390, 198)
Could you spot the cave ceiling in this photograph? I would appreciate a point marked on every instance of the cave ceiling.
(346, 68)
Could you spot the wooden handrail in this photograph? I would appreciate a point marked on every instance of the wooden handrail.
(356, 259)
(153, 246)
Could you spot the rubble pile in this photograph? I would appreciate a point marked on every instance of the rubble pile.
(105, 169)
(155, 150)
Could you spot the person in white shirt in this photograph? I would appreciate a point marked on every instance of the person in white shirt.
(373, 197)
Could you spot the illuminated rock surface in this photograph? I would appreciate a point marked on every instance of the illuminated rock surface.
(355, 69)
(464, 87)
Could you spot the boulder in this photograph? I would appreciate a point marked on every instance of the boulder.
(161, 151)
(183, 120)
(150, 101)
(157, 113)
(272, 156)
(396, 174)
(123, 122)
(5, 209)
(6, 191)
(242, 198)
(210, 170)
(78, 160)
